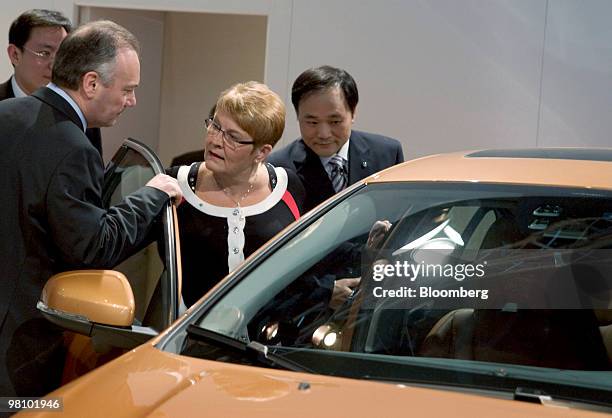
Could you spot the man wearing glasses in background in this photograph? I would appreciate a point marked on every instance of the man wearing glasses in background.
(34, 38)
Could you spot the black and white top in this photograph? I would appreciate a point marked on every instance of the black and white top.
(216, 239)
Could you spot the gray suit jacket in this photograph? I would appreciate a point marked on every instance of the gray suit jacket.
(368, 153)
(52, 219)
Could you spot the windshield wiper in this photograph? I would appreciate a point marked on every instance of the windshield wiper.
(252, 350)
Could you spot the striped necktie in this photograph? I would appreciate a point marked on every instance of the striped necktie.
(339, 173)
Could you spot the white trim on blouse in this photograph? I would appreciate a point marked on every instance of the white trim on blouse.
(236, 216)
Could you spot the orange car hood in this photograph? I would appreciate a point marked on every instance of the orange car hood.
(148, 382)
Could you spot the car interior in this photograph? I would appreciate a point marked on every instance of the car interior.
(526, 329)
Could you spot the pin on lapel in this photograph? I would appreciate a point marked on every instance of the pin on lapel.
(364, 164)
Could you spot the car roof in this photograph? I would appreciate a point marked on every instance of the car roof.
(557, 167)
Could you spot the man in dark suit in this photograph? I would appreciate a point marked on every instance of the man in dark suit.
(52, 217)
(34, 38)
(330, 155)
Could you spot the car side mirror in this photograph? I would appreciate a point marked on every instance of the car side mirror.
(74, 298)
(96, 303)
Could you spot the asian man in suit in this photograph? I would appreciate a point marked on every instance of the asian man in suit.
(52, 218)
(34, 38)
(330, 155)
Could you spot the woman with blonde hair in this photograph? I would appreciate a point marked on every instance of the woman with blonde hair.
(234, 200)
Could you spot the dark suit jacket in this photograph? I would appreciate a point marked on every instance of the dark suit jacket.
(94, 134)
(6, 90)
(52, 219)
(368, 153)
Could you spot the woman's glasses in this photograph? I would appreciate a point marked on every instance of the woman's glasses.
(229, 139)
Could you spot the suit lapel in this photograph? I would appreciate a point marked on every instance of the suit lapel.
(312, 173)
(360, 165)
(309, 165)
(59, 103)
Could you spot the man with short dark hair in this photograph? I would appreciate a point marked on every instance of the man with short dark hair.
(34, 38)
(52, 218)
(330, 155)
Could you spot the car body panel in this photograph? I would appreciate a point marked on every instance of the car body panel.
(149, 382)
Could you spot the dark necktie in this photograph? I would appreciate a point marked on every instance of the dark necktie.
(339, 173)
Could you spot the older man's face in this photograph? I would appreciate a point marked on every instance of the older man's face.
(110, 101)
(34, 61)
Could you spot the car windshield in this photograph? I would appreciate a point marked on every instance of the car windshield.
(473, 285)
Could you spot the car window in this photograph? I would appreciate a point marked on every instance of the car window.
(511, 275)
(152, 270)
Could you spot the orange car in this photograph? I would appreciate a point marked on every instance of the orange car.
(485, 289)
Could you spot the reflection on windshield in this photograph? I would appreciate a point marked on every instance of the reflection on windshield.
(463, 277)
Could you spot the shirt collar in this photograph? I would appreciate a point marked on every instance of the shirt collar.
(16, 89)
(71, 101)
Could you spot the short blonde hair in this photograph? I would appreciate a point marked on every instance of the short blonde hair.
(256, 109)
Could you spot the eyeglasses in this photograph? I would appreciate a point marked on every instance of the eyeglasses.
(228, 139)
(42, 55)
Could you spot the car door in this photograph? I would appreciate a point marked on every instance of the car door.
(153, 273)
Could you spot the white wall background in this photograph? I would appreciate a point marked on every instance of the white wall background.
(577, 75)
(148, 26)
(439, 75)
(203, 55)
